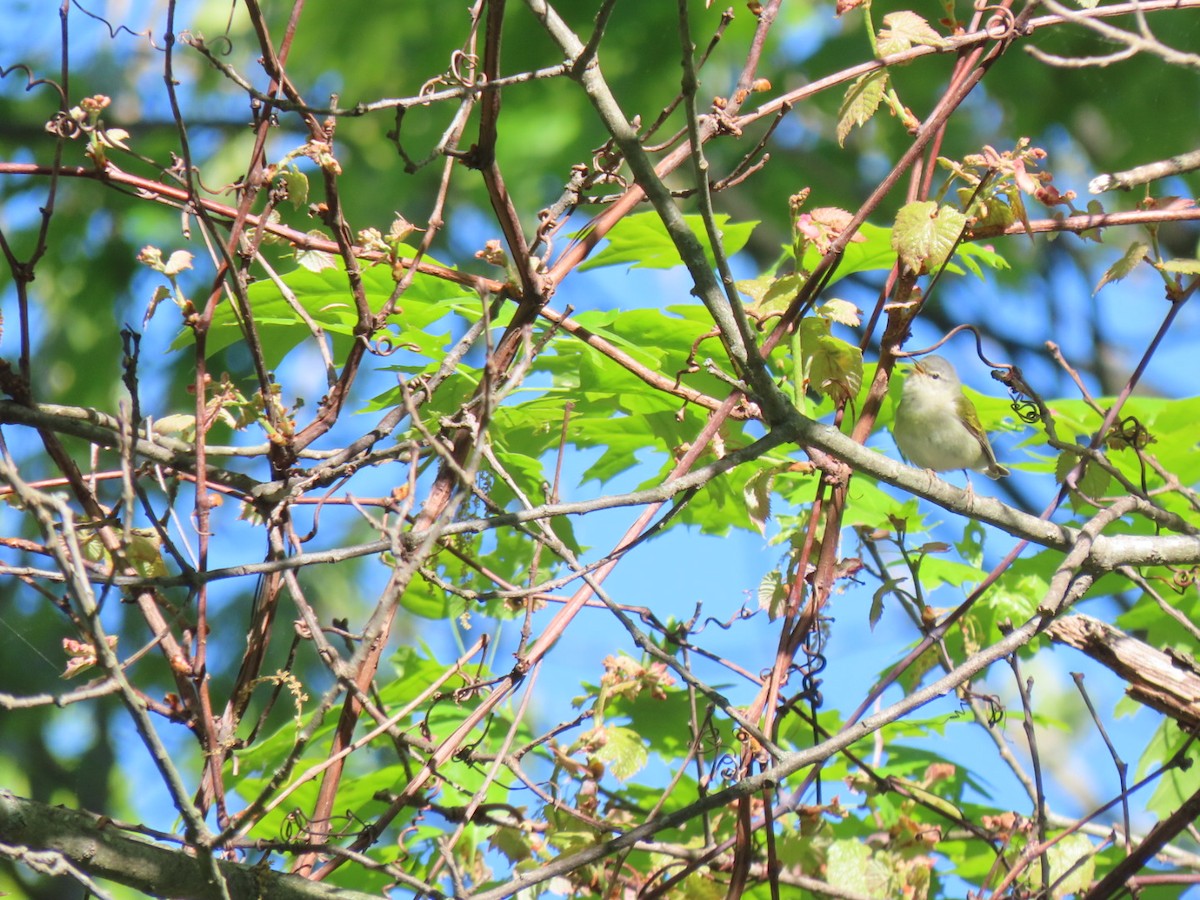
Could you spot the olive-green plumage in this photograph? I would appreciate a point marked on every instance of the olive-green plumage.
(937, 427)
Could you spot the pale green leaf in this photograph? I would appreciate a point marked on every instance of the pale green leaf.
(936, 571)
(297, 187)
(904, 30)
(1123, 266)
(861, 100)
(316, 260)
(178, 261)
(144, 552)
(970, 547)
(623, 751)
(971, 255)
(834, 366)
(1072, 860)
(843, 312)
(925, 234)
(700, 886)
(772, 594)
(1177, 783)
(641, 241)
(328, 301)
(770, 294)
(1016, 600)
(1092, 482)
(755, 289)
(851, 865)
(885, 590)
(1181, 266)
(114, 137)
(512, 842)
(757, 495)
(178, 424)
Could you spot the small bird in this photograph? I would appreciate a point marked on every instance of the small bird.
(936, 426)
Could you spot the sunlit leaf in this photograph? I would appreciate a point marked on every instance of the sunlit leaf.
(925, 234)
(1127, 263)
(861, 100)
(641, 241)
(623, 751)
(903, 30)
(1072, 864)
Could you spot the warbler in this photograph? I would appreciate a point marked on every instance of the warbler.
(936, 426)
